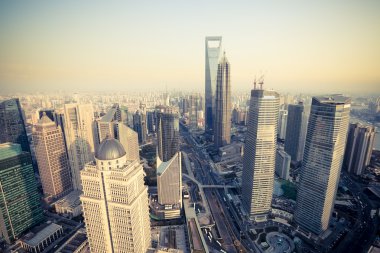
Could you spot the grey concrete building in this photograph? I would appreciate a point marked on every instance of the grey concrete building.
(359, 147)
(296, 132)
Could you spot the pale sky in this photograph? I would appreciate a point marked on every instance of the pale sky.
(301, 46)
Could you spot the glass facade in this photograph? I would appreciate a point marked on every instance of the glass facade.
(12, 124)
(20, 200)
(213, 49)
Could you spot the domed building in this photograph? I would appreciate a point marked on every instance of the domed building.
(115, 201)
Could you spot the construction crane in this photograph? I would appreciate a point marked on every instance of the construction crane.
(261, 81)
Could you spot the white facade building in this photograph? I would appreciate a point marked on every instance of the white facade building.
(115, 201)
(260, 153)
(79, 133)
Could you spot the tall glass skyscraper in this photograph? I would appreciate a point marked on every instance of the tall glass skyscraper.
(359, 147)
(296, 132)
(322, 162)
(260, 153)
(213, 49)
(19, 197)
(169, 166)
(12, 124)
(168, 133)
(222, 126)
(139, 123)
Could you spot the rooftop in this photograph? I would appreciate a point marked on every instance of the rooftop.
(45, 120)
(108, 117)
(164, 165)
(70, 200)
(35, 239)
(9, 149)
(74, 242)
(333, 99)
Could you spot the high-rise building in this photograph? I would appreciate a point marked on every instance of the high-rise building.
(359, 147)
(282, 120)
(19, 198)
(150, 122)
(322, 162)
(374, 106)
(260, 153)
(169, 186)
(115, 201)
(168, 133)
(169, 166)
(282, 164)
(12, 124)
(222, 125)
(235, 116)
(113, 126)
(185, 104)
(53, 165)
(80, 140)
(105, 125)
(213, 47)
(125, 115)
(139, 125)
(129, 139)
(105, 128)
(296, 132)
(193, 109)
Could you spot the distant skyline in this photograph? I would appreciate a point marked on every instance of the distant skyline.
(304, 47)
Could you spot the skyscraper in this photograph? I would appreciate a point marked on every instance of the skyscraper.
(139, 125)
(19, 198)
(282, 119)
(222, 125)
(168, 133)
(169, 167)
(53, 165)
(12, 124)
(282, 164)
(169, 186)
(359, 148)
(105, 125)
(213, 47)
(193, 109)
(115, 201)
(296, 132)
(260, 153)
(322, 162)
(150, 121)
(80, 141)
(129, 139)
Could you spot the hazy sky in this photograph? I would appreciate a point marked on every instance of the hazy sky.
(305, 46)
